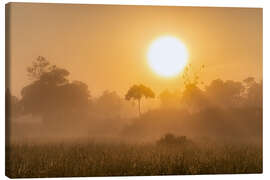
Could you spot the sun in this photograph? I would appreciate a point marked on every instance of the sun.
(167, 56)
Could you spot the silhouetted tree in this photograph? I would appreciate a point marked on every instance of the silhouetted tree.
(136, 92)
(225, 93)
(169, 99)
(7, 104)
(253, 92)
(40, 66)
(109, 104)
(12, 105)
(51, 95)
(191, 77)
(193, 97)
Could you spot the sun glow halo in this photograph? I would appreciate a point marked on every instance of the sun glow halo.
(167, 56)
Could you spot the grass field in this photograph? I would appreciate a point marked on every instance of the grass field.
(105, 159)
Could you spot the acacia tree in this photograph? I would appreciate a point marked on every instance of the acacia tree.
(137, 92)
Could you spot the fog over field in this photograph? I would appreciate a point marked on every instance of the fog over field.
(57, 129)
(54, 107)
(99, 90)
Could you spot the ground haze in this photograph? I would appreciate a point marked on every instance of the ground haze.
(82, 101)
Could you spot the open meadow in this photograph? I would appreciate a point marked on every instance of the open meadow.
(121, 159)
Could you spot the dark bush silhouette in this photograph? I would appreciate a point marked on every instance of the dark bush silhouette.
(172, 140)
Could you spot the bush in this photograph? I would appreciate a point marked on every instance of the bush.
(172, 140)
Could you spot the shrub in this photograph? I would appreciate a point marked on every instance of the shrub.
(172, 140)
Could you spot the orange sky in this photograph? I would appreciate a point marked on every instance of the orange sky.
(106, 46)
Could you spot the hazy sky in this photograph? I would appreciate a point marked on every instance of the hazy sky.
(106, 46)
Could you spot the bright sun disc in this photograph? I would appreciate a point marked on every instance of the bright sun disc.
(167, 56)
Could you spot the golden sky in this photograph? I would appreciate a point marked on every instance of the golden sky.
(106, 46)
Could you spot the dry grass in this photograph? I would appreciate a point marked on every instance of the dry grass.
(93, 159)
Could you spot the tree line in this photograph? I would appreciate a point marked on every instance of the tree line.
(52, 96)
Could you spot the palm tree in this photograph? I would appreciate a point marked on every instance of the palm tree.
(136, 92)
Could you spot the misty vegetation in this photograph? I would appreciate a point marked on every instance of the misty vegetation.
(137, 92)
(56, 128)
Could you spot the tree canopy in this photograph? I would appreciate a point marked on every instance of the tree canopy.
(136, 92)
(51, 95)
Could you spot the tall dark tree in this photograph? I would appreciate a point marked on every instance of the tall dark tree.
(51, 95)
(137, 92)
(193, 96)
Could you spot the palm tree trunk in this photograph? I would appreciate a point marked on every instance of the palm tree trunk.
(139, 105)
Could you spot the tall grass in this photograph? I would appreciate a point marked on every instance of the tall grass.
(116, 159)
